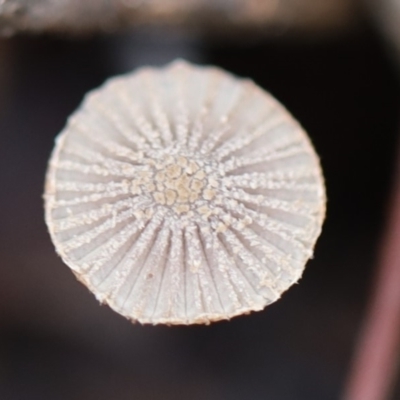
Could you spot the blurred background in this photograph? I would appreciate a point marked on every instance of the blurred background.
(57, 342)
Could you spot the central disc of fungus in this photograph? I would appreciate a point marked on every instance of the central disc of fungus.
(183, 184)
(184, 195)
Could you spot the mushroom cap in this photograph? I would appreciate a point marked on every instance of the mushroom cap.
(184, 195)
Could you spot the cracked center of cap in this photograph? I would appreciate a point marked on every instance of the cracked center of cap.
(179, 183)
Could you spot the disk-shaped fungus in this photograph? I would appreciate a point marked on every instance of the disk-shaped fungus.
(184, 195)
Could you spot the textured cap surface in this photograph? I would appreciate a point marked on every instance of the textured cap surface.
(184, 195)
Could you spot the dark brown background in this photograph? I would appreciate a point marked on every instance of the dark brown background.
(56, 342)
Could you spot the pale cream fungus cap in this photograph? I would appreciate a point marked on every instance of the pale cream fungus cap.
(184, 195)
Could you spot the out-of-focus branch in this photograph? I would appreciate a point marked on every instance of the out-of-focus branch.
(377, 355)
(387, 13)
(80, 16)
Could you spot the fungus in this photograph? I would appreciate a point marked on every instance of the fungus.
(184, 195)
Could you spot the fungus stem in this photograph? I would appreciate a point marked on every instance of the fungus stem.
(374, 365)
